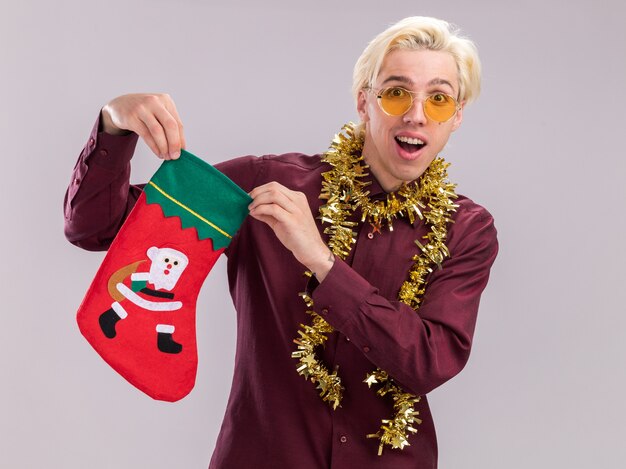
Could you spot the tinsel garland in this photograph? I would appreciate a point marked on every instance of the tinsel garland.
(429, 198)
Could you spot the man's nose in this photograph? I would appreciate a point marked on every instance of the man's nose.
(415, 114)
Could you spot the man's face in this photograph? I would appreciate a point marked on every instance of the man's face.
(391, 158)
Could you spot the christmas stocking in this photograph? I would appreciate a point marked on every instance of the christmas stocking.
(140, 310)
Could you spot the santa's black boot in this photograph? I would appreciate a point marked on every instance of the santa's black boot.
(166, 343)
(107, 321)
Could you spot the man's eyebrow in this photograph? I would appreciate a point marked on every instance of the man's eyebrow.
(408, 81)
(400, 78)
(440, 81)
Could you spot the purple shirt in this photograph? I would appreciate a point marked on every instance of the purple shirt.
(275, 418)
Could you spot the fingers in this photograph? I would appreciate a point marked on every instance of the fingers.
(171, 107)
(272, 215)
(154, 118)
(273, 203)
(142, 130)
(289, 216)
(163, 126)
(271, 197)
(164, 130)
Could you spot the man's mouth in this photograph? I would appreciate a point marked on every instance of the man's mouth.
(410, 144)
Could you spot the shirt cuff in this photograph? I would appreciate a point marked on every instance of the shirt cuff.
(110, 152)
(341, 295)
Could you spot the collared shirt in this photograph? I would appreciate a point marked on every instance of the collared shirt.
(274, 417)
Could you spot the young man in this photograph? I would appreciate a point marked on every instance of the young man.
(397, 261)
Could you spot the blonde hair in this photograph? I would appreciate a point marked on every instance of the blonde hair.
(419, 33)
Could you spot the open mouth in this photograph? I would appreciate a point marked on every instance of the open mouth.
(410, 144)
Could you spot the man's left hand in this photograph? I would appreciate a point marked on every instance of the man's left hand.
(288, 214)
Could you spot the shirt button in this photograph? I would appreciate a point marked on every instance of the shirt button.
(77, 181)
(324, 310)
(104, 152)
(370, 235)
(343, 438)
(366, 349)
(91, 141)
(347, 339)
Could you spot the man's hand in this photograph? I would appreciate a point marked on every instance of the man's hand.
(151, 116)
(288, 214)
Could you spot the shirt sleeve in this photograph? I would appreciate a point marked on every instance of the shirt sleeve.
(420, 350)
(100, 196)
(245, 171)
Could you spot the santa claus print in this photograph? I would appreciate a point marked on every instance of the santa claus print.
(135, 290)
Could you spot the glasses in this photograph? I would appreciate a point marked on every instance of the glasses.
(396, 101)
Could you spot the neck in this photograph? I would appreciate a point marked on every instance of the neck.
(389, 184)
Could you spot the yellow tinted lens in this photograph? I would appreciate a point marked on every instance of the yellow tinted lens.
(440, 107)
(395, 101)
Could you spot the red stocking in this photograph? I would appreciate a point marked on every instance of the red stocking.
(140, 310)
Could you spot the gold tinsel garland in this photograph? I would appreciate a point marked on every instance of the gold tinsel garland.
(429, 198)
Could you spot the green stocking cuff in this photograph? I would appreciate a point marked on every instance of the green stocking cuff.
(201, 196)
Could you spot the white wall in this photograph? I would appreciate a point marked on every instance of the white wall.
(542, 149)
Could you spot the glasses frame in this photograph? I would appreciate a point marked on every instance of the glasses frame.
(412, 94)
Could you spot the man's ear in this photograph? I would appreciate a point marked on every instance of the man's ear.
(458, 118)
(361, 106)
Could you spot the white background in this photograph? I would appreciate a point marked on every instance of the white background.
(542, 149)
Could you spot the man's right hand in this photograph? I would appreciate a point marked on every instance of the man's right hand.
(151, 116)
